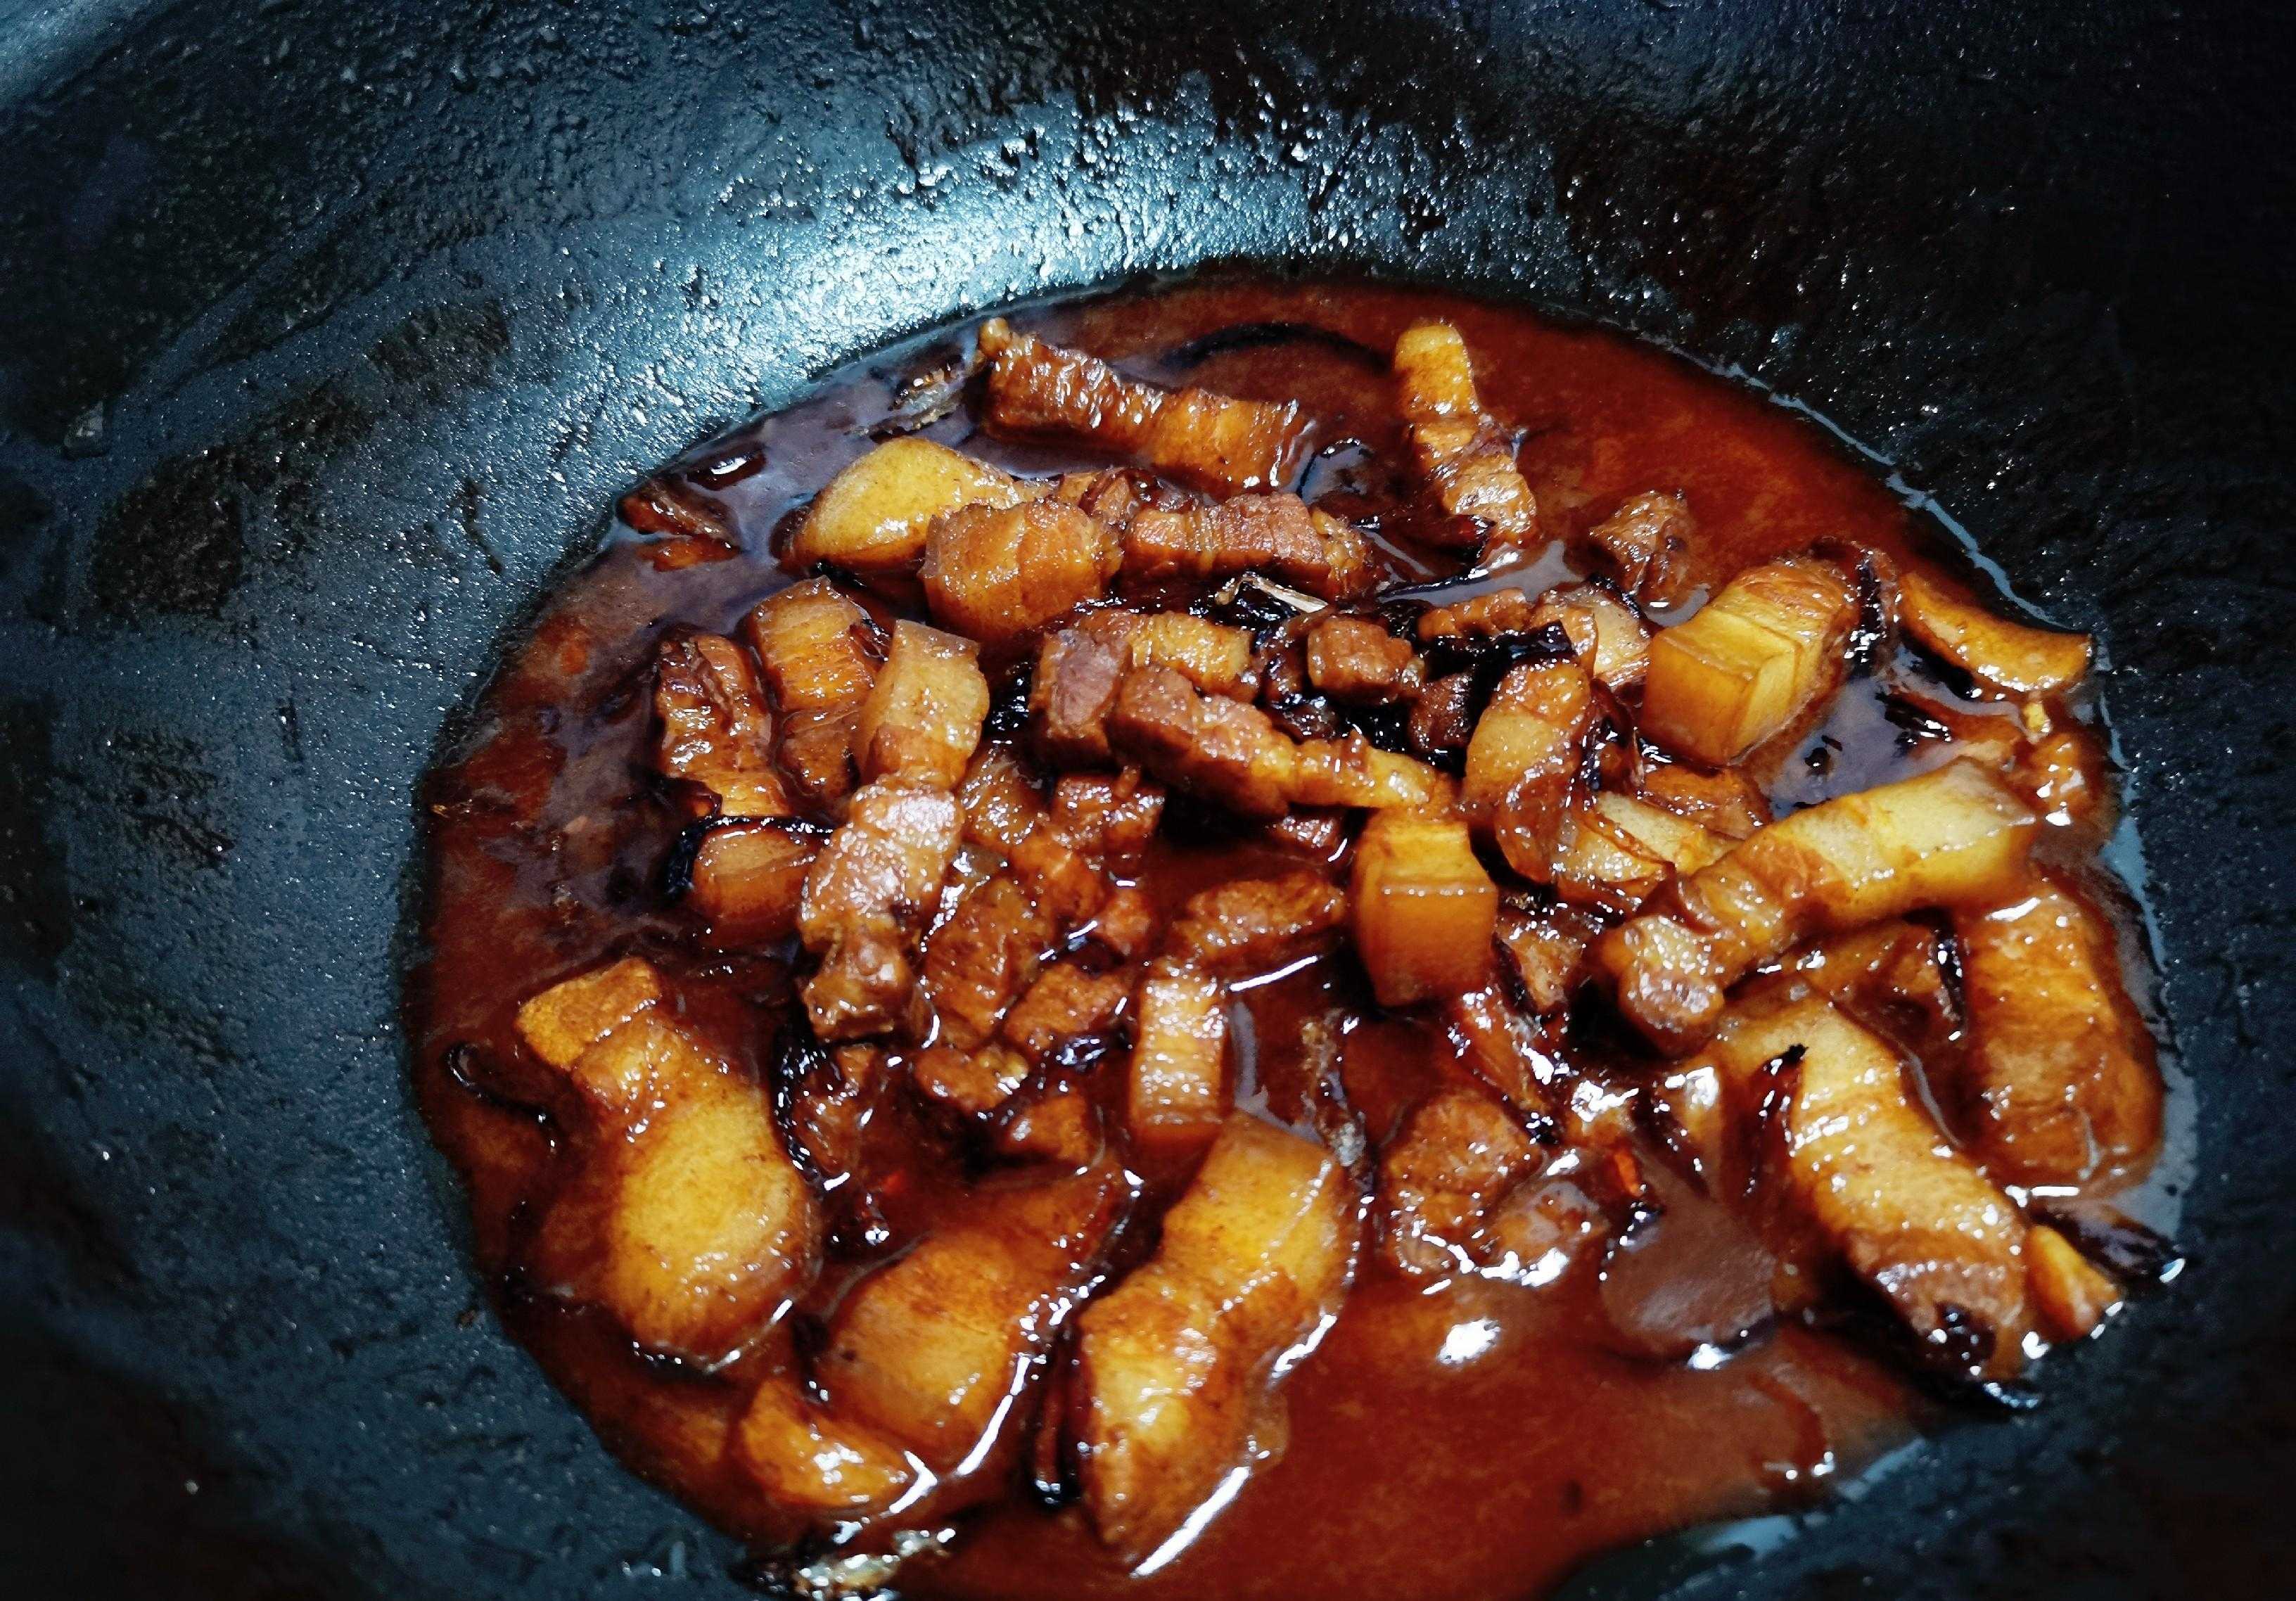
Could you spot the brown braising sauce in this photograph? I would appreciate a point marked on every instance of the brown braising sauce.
(1478, 1434)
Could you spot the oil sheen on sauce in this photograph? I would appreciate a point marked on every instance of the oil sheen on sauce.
(1480, 1440)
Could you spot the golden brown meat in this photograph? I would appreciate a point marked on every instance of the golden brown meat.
(996, 572)
(1208, 441)
(922, 719)
(1252, 1264)
(2007, 657)
(1523, 759)
(1953, 837)
(1868, 1167)
(716, 735)
(1208, 745)
(1755, 661)
(1648, 541)
(974, 1082)
(867, 895)
(1423, 908)
(807, 1461)
(1074, 691)
(1178, 1090)
(926, 1351)
(1547, 951)
(1214, 658)
(980, 960)
(1608, 636)
(872, 517)
(1255, 925)
(1065, 1002)
(1276, 534)
(1485, 616)
(1467, 459)
(687, 1220)
(748, 875)
(820, 654)
(1354, 659)
(2061, 1079)
(1726, 803)
(1439, 1178)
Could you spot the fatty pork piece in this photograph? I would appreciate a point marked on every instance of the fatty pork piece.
(995, 572)
(1280, 535)
(1465, 457)
(1955, 837)
(1173, 1363)
(808, 1460)
(1458, 1153)
(1211, 442)
(1754, 661)
(1354, 659)
(872, 517)
(927, 1350)
(1648, 542)
(820, 652)
(2061, 1074)
(1255, 925)
(1229, 752)
(921, 719)
(1546, 950)
(1614, 852)
(1913, 1218)
(747, 877)
(1423, 908)
(2009, 658)
(866, 897)
(689, 1222)
(1607, 635)
(715, 734)
(1522, 758)
(1176, 1093)
(979, 961)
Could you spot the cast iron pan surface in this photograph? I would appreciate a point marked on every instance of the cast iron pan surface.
(329, 335)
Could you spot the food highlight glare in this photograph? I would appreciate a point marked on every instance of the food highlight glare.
(1119, 943)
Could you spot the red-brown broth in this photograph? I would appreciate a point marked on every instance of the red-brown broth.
(1476, 1440)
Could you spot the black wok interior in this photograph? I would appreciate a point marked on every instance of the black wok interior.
(328, 335)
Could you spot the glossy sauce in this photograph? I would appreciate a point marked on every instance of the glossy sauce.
(1476, 1440)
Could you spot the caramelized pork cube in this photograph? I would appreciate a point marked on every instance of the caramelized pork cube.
(1072, 694)
(1893, 972)
(1608, 636)
(2063, 771)
(1465, 457)
(2007, 658)
(1112, 817)
(1648, 542)
(1214, 658)
(1423, 908)
(748, 875)
(819, 650)
(1066, 1002)
(808, 1461)
(1443, 719)
(1061, 1124)
(2061, 1071)
(1252, 1264)
(1911, 1216)
(872, 516)
(1547, 951)
(979, 961)
(1276, 534)
(688, 1222)
(1522, 758)
(715, 731)
(1597, 864)
(1726, 803)
(1255, 925)
(927, 1350)
(973, 1083)
(921, 719)
(996, 572)
(1753, 662)
(1354, 659)
(1222, 750)
(1212, 442)
(1506, 1048)
(1485, 616)
(1177, 1091)
(1954, 837)
(867, 894)
(1681, 845)
(1459, 1152)
(1352, 771)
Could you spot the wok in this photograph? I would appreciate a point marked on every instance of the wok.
(329, 336)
